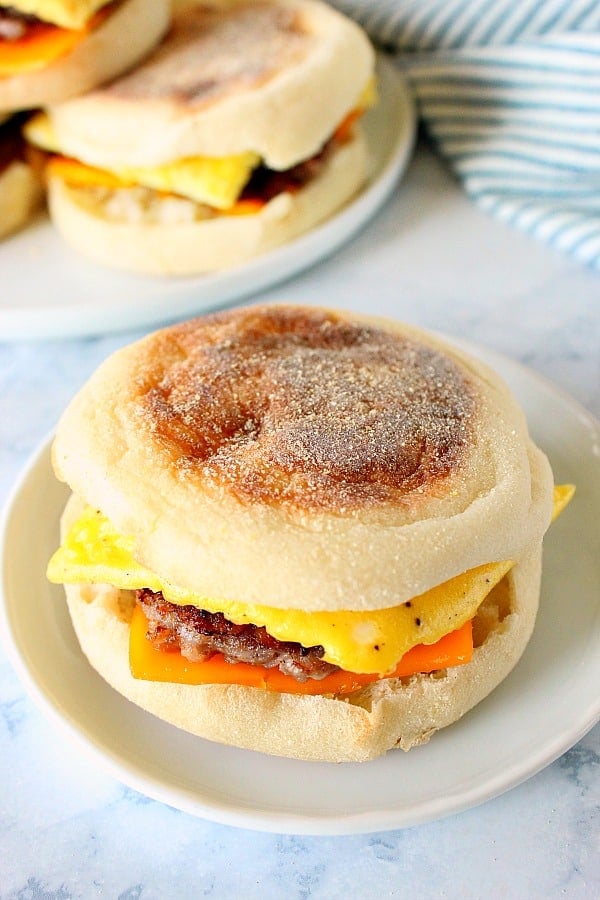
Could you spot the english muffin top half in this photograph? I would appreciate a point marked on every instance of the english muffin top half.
(275, 79)
(305, 458)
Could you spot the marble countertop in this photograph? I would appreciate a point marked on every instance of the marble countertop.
(67, 830)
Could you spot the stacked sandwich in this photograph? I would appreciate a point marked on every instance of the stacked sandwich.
(237, 134)
(51, 50)
(20, 184)
(301, 531)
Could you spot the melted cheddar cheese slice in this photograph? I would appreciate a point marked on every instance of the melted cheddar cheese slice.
(44, 43)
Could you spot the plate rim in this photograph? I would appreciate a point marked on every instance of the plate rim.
(279, 821)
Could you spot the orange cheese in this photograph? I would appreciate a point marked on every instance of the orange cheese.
(79, 174)
(42, 44)
(148, 663)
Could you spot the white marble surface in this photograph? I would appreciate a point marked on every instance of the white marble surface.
(68, 830)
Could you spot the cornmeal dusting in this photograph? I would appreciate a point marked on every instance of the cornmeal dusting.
(303, 407)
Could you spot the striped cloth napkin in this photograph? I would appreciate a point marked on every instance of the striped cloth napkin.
(509, 91)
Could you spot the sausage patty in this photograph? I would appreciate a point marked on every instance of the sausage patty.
(198, 635)
(14, 24)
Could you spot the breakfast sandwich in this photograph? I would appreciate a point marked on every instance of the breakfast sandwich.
(20, 181)
(238, 133)
(54, 49)
(301, 531)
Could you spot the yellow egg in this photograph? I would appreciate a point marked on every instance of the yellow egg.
(369, 642)
(66, 13)
(216, 181)
(563, 494)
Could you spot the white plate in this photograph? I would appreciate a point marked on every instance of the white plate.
(50, 291)
(548, 702)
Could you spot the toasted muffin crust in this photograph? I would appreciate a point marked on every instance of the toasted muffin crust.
(303, 407)
(265, 38)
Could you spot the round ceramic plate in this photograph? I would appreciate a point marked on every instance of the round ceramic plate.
(547, 703)
(48, 290)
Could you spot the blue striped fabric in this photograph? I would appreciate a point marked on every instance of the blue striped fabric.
(509, 91)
